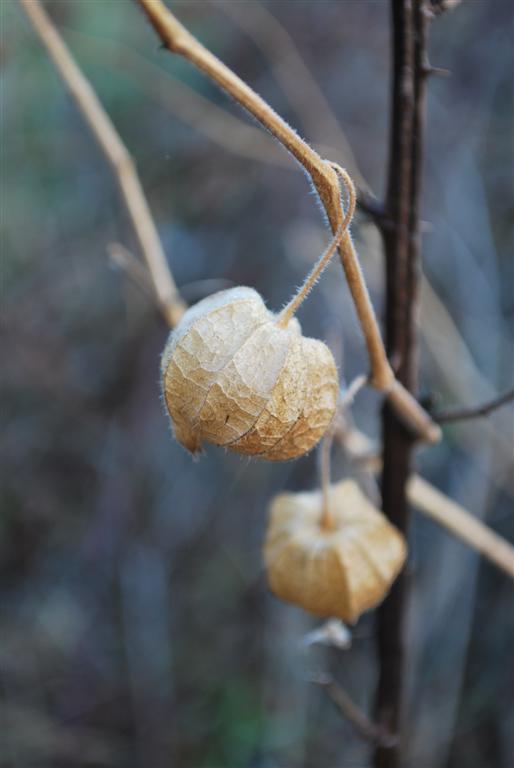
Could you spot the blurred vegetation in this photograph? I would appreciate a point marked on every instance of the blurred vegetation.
(136, 628)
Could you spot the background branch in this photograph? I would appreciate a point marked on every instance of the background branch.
(461, 414)
(351, 712)
(120, 160)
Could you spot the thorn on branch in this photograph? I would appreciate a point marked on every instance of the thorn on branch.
(428, 70)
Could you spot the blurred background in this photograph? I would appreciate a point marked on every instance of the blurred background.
(136, 628)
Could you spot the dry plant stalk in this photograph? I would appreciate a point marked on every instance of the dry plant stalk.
(339, 570)
(458, 521)
(176, 38)
(119, 158)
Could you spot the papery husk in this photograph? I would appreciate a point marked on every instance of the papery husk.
(233, 376)
(341, 571)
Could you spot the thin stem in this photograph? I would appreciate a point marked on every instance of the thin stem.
(362, 724)
(461, 414)
(323, 262)
(351, 392)
(176, 38)
(327, 519)
(116, 153)
(458, 521)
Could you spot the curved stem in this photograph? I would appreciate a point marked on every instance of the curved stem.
(177, 39)
(322, 263)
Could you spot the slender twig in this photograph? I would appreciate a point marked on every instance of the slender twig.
(116, 153)
(345, 401)
(326, 520)
(351, 712)
(456, 519)
(475, 412)
(176, 38)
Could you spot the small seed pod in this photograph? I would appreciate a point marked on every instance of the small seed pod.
(234, 374)
(339, 569)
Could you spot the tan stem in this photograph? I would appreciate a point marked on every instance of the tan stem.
(177, 39)
(118, 156)
(322, 263)
(456, 519)
(327, 519)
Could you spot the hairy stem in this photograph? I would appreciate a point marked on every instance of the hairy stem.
(323, 262)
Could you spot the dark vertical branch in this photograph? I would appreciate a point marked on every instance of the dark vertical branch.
(402, 252)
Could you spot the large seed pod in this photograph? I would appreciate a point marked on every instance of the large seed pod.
(233, 376)
(337, 571)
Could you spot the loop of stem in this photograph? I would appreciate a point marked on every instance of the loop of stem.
(322, 263)
(176, 38)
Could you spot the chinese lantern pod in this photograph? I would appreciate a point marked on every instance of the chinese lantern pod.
(340, 571)
(233, 376)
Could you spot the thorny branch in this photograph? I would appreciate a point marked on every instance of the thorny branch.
(120, 160)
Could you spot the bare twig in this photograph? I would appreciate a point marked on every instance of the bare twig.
(176, 38)
(462, 414)
(326, 519)
(456, 519)
(351, 712)
(322, 263)
(116, 153)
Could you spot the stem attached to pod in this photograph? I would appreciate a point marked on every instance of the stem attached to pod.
(322, 263)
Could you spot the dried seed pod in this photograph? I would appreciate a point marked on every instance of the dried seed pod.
(234, 375)
(341, 570)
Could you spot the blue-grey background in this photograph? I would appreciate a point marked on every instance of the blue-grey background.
(136, 628)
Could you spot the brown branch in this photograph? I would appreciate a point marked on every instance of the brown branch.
(176, 38)
(116, 153)
(402, 251)
(351, 712)
(462, 414)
